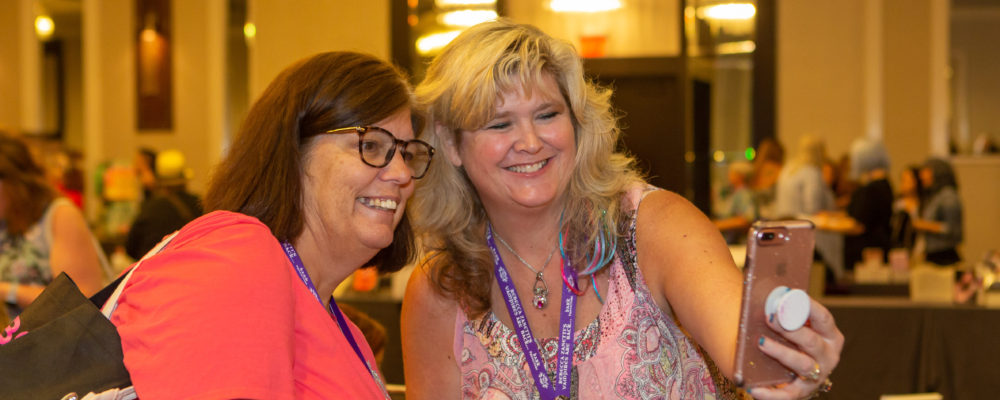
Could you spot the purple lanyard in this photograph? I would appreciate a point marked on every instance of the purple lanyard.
(561, 388)
(293, 256)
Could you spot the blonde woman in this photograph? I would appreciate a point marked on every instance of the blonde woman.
(557, 271)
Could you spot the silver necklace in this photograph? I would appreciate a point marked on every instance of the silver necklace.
(541, 290)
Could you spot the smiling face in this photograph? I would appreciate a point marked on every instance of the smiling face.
(523, 158)
(347, 203)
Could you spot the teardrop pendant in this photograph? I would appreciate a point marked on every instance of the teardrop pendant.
(541, 291)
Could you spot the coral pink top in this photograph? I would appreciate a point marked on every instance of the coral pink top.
(632, 350)
(220, 313)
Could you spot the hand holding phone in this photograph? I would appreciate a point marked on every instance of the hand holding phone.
(776, 274)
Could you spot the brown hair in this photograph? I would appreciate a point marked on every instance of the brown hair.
(261, 176)
(24, 185)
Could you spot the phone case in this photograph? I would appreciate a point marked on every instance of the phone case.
(779, 253)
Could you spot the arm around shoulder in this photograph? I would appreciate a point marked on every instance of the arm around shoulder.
(428, 332)
(689, 269)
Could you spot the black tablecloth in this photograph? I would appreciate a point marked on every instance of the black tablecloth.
(893, 346)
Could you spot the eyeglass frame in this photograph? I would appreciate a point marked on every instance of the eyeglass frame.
(397, 144)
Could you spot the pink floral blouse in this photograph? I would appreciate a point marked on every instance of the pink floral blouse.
(632, 350)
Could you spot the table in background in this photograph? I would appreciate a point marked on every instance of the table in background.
(867, 289)
(893, 345)
(382, 307)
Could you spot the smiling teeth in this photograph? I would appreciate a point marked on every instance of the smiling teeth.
(384, 204)
(528, 168)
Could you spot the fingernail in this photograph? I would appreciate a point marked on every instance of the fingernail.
(761, 341)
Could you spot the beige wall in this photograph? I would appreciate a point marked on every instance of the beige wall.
(10, 68)
(915, 76)
(287, 33)
(864, 67)
(73, 113)
(101, 114)
(109, 85)
(977, 71)
(977, 187)
(821, 72)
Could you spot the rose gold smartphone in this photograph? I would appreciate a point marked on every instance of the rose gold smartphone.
(779, 253)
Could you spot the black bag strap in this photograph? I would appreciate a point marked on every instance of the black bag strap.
(102, 297)
(113, 290)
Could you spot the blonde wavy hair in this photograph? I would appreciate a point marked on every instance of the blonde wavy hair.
(461, 91)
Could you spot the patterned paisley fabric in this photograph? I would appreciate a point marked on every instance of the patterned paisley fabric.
(632, 350)
(25, 259)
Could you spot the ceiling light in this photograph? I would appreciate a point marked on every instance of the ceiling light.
(584, 5)
(463, 3)
(466, 17)
(730, 11)
(429, 44)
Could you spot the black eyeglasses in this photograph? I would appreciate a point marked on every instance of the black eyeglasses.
(377, 146)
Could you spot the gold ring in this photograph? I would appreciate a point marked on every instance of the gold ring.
(812, 376)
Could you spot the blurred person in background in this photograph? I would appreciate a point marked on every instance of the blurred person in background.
(63, 170)
(844, 183)
(144, 163)
(940, 221)
(169, 207)
(802, 193)
(73, 178)
(906, 208)
(984, 144)
(767, 164)
(870, 204)
(41, 233)
(741, 207)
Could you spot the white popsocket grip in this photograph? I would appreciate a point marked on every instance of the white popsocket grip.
(790, 305)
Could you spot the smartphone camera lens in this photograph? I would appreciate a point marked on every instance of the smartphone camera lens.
(768, 236)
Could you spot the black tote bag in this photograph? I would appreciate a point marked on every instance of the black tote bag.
(61, 344)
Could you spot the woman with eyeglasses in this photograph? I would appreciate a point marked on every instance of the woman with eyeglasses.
(238, 304)
(557, 272)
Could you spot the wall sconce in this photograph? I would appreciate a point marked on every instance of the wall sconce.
(44, 27)
(466, 17)
(149, 28)
(249, 31)
(154, 92)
